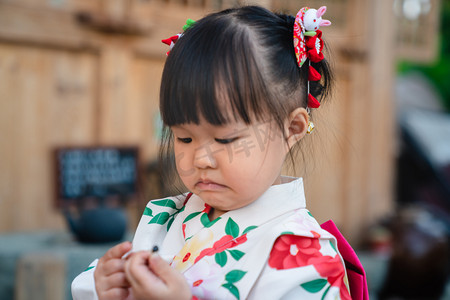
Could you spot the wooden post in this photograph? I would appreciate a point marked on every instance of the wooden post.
(40, 277)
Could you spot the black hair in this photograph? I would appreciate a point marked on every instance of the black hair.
(244, 55)
(240, 58)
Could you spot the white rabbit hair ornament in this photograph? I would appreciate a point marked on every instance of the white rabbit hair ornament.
(312, 19)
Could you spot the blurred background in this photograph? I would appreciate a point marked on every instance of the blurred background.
(79, 131)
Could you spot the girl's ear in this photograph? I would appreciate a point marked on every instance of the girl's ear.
(296, 126)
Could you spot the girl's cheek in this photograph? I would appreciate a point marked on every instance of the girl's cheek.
(184, 164)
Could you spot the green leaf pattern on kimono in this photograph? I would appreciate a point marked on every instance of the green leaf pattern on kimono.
(163, 217)
(148, 212)
(231, 278)
(232, 228)
(221, 258)
(314, 286)
(232, 236)
(206, 222)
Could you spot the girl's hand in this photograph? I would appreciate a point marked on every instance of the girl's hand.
(109, 275)
(153, 278)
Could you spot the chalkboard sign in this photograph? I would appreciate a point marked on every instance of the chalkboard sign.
(96, 172)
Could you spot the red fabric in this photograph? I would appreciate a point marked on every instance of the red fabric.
(187, 198)
(226, 242)
(312, 102)
(314, 46)
(207, 209)
(281, 257)
(313, 74)
(172, 39)
(299, 37)
(355, 271)
(183, 228)
(292, 251)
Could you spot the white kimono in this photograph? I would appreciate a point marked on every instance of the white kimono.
(270, 249)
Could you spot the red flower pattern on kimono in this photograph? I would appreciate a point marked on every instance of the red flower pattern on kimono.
(183, 229)
(314, 45)
(226, 242)
(292, 251)
(332, 269)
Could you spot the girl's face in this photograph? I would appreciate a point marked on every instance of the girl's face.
(229, 166)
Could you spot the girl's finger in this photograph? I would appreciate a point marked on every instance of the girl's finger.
(135, 266)
(116, 280)
(175, 283)
(116, 293)
(117, 251)
(113, 266)
(165, 272)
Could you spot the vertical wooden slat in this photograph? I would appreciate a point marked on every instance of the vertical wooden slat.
(49, 98)
(9, 65)
(356, 184)
(326, 149)
(40, 277)
(145, 84)
(116, 115)
(130, 100)
(369, 171)
(382, 115)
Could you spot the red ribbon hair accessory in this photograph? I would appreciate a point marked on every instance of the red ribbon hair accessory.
(308, 42)
(173, 39)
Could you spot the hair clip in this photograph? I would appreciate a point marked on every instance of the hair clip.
(173, 39)
(308, 43)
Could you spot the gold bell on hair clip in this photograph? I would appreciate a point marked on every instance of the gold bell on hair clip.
(310, 128)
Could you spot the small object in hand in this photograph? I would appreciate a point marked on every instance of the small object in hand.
(167, 258)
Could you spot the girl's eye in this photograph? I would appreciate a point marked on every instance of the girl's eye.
(226, 141)
(185, 140)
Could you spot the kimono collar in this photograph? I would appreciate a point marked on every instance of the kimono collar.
(277, 200)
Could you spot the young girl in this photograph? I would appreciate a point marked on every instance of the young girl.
(235, 98)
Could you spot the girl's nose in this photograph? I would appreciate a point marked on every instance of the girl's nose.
(204, 157)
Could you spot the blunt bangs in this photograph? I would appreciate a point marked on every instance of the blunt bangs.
(212, 72)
